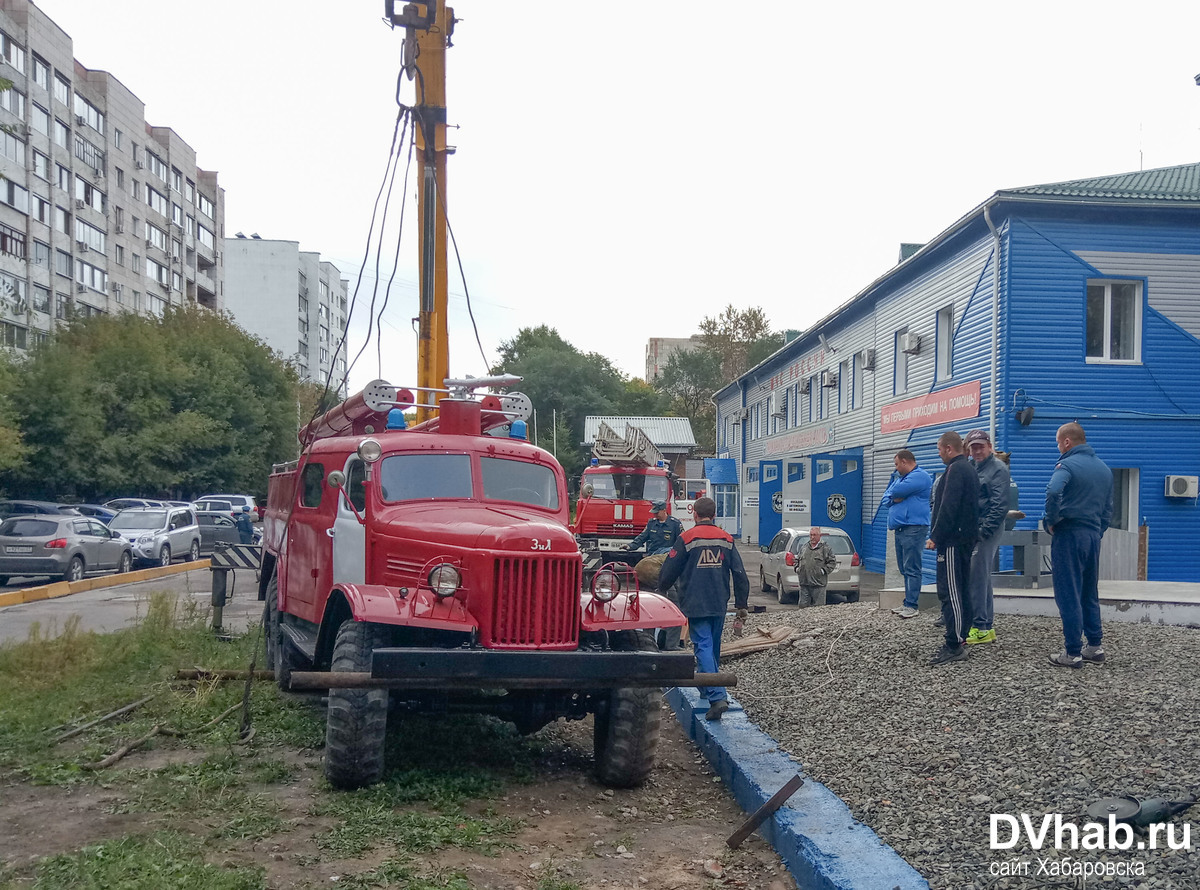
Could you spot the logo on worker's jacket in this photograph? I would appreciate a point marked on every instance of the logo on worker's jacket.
(777, 502)
(710, 559)
(835, 506)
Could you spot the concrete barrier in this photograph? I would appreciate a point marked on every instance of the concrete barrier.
(56, 589)
(822, 845)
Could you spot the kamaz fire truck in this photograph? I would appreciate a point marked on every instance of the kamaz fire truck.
(431, 569)
(626, 476)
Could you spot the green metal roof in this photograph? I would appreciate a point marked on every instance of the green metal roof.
(1179, 184)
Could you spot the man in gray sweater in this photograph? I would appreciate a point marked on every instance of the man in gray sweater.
(993, 507)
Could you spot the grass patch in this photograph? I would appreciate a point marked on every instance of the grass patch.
(398, 874)
(154, 862)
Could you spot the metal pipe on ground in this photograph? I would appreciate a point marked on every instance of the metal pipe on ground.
(362, 680)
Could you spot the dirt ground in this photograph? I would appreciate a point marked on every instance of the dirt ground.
(668, 834)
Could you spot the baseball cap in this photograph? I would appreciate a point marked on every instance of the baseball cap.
(658, 505)
(977, 436)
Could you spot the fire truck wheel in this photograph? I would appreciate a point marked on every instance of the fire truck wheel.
(280, 655)
(762, 580)
(625, 739)
(356, 722)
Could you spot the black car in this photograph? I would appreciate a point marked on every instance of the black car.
(35, 508)
(216, 529)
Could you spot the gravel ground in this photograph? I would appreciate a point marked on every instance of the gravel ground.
(924, 755)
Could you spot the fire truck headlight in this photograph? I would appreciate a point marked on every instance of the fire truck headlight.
(445, 580)
(370, 450)
(605, 586)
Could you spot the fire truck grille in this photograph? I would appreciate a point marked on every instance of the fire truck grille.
(537, 602)
(617, 529)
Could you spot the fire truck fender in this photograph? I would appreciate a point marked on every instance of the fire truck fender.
(645, 610)
(420, 608)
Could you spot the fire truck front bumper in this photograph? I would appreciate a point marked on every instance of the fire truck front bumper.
(488, 668)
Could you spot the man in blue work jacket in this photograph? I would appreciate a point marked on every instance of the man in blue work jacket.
(1079, 506)
(704, 559)
(907, 503)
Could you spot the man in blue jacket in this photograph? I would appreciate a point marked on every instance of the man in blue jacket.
(1079, 505)
(907, 503)
(704, 559)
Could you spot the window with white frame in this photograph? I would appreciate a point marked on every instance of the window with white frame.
(62, 134)
(1114, 321)
(155, 236)
(91, 276)
(88, 234)
(157, 200)
(13, 100)
(12, 241)
(89, 194)
(860, 374)
(62, 89)
(92, 116)
(156, 165)
(845, 380)
(751, 475)
(88, 153)
(41, 72)
(900, 370)
(12, 52)
(41, 209)
(204, 204)
(12, 147)
(205, 237)
(945, 338)
(41, 165)
(39, 119)
(15, 196)
(157, 271)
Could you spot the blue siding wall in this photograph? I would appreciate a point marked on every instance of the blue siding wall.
(1144, 416)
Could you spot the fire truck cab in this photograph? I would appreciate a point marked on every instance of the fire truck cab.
(438, 562)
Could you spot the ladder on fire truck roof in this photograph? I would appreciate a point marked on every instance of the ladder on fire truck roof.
(634, 448)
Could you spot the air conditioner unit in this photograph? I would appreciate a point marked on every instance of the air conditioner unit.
(97, 173)
(81, 120)
(868, 359)
(829, 378)
(119, 229)
(149, 243)
(910, 343)
(805, 386)
(80, 288)
(1182, 486)
(115, 287)
(81, 246)
(139, 165)
(80, 203)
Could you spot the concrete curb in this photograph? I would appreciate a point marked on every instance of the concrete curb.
(64, 588)
(822, 845)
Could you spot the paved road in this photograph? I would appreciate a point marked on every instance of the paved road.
(113, 608)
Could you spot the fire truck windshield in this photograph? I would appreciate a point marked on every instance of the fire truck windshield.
(416, 477)
(618, 486)
(516, 480)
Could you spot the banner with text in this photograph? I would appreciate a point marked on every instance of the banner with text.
(943, 406)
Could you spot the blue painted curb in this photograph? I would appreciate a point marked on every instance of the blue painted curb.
(822, 845)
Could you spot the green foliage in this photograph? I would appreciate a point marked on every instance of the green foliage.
(134, 405)
(13, 450)
(690, 378)
(741, 337)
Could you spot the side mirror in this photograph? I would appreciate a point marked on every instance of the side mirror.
(763, 548)
(336, 479)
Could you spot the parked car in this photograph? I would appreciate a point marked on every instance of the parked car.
(222, 508)
(777, 569)
(215, 528)
(96, 511)
(237, 501)
(126, 503)
(159, 534)
(60, 546)
(33, 508)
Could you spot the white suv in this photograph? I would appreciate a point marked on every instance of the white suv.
(159, 534)
(236, 501)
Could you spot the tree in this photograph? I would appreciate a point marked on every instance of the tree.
(741, 337)
(13, 450)
(133, 405)
(690, 378)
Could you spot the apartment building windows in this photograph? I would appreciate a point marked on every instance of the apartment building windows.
(91, 115)
(303, 305)
(157, 167)
(88, 153)
(62, 263)
(1114, 321)
(176, 180)
(62, 307)
(118, 138)
(177, 215)
(13, 100)
(156, 237)
(119, 257)
(157, 200)
(302, 326)
(91, 276)
(15, 196)
(205, 237)
(62, 89)
(88, 194)
(63, 177)
(12, 147)
(39, 120)
(14, 335)
(12, 52)
(12, 242)
(41, 209)
(41, 72)
(157, 271)
(41, 254)
(92, 237)
(204, 204)
(120, 178)
(189, 191)
(41, 166)
(62, 221)
(189, 226)
(41, 299)
(62, 134)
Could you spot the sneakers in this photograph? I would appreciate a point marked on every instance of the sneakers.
(980, 636)
(1094, 654)
(907, 612)
(1062, 659)
(898, 610)
(716, 709)
(945, 655)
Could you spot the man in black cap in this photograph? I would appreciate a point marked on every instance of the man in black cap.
(993, 508)
(658, 536)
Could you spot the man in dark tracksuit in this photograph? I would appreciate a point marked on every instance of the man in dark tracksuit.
(1079, 506)
(953, 530)
(704, 559)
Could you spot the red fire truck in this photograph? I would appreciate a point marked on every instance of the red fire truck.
(434, 567)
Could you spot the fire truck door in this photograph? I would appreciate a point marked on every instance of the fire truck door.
(349, 535)
(686, 493)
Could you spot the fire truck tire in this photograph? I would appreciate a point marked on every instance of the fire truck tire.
(356, 722)
(625, 738)
(280, 654)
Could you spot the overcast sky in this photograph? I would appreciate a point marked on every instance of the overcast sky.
(625, 169)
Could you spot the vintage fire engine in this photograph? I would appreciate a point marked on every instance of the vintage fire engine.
(433, 568)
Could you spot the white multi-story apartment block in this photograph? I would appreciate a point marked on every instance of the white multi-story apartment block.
(292, 300)
(99, 210)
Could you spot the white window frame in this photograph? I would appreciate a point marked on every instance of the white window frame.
(1107, 284)
(944, 356)
(900, 364)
